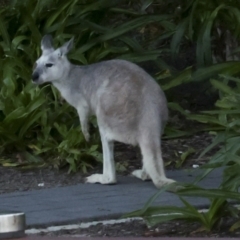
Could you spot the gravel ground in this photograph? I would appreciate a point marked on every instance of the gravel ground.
(139, 229)
(128, 158)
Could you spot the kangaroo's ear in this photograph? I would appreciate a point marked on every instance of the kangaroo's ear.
(47, 43)
(66, 47)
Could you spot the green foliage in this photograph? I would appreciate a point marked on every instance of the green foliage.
(35, 121)
(189, 74)
(184, 156)
(219, 207)
(206, 23)
(226, 118)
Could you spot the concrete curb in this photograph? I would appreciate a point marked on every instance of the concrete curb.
(118, 238)
(86, 202)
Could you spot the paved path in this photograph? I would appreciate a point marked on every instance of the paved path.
(119, 238)
(85, 202)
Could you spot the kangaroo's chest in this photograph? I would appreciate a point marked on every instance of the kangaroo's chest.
(71, 97)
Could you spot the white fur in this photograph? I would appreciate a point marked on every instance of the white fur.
(130, 107)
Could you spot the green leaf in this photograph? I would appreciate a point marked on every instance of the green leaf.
(17, 40)
(3, 29)
(184, 77)
(29, 122)
(184, 156)
(227, 68)
(222, 87)
(235, 226)
(209, 193)
(177, 37)
(56, 14)
(133, 24)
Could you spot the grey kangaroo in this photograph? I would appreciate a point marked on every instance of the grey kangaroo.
(129, 105)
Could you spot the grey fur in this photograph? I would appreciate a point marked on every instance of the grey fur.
(129, 105)
(47, 42)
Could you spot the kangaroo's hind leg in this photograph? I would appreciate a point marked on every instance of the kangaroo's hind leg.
(152, 160)
(141, 174)
(109, 172)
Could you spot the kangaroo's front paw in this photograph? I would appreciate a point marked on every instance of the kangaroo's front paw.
(100, 178)
(86, 135)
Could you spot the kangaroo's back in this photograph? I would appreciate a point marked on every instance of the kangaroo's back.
(124, 98)
(122, 88)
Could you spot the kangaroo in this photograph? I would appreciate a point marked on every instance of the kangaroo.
(129, 105)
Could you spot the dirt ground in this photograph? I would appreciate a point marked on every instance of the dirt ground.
(138, 228)
(128, 158)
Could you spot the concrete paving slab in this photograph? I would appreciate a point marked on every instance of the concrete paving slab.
(85, 202)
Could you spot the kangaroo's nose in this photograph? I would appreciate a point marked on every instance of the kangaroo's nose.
(35, 76)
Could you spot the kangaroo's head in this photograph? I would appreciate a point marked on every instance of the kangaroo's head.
(52, 64)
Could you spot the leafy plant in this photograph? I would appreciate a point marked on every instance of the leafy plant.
(219, 207)
(33, 119)
(184, 156)
(212, 25)
(226, 119)
(36, 122)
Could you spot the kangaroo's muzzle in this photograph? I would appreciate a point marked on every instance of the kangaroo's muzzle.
(35, 76)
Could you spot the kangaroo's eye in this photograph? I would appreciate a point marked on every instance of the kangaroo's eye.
(48, 65)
